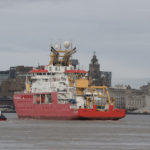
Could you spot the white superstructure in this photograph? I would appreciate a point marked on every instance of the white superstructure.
(53, 79)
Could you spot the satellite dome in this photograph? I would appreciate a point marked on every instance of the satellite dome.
(57, 46)
(67, 44)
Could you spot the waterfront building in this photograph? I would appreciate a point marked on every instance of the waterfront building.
(15, 80)
(133, 100)
(6, 103)
(106, 78)
(146, 89)
(75, 63)
(98, 77)
(119, 95)
(12, 73)
(21, 71)
(94, 71)
(4, 75)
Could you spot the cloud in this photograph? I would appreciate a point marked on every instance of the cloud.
(117, 30)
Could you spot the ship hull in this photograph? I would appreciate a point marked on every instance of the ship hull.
(111, 114)
(2, 118)
(25, 108)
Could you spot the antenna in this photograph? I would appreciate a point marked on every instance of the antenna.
(79, 66)
(71, 45)
(38, 65)
(59, 43)
(50, 45)
(51, 42)
(60, 46)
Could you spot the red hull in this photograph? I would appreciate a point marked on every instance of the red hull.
(25, 108)
(3, 118)
(111, 114)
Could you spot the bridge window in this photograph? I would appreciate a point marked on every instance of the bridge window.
(39, 73)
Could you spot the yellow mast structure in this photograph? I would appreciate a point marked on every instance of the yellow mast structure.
(61, 57)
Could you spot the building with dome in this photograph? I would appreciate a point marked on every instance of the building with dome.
(98, 77)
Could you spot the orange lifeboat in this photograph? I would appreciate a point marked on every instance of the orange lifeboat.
(38, 99)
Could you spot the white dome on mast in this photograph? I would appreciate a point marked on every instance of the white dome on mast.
(66, 44)
(57, 47)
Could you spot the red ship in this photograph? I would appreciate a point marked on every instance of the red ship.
(61, 92)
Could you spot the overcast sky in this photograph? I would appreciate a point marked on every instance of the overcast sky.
(118, 30)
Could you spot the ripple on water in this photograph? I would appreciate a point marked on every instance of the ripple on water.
(130, 133)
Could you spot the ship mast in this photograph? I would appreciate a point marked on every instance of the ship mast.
(62, 57)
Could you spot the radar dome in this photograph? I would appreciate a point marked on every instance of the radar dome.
(66, 44)
(57, 46)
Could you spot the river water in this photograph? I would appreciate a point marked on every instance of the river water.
(130, 133)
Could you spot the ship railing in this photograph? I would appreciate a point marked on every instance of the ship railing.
(73, 107)
(18, 92)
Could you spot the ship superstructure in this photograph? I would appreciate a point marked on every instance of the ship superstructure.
(59, 91)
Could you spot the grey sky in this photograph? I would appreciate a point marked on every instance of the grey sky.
(118, 30)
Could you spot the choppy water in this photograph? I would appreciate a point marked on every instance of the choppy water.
(130, 133)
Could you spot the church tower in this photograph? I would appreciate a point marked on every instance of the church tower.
(94, 71)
